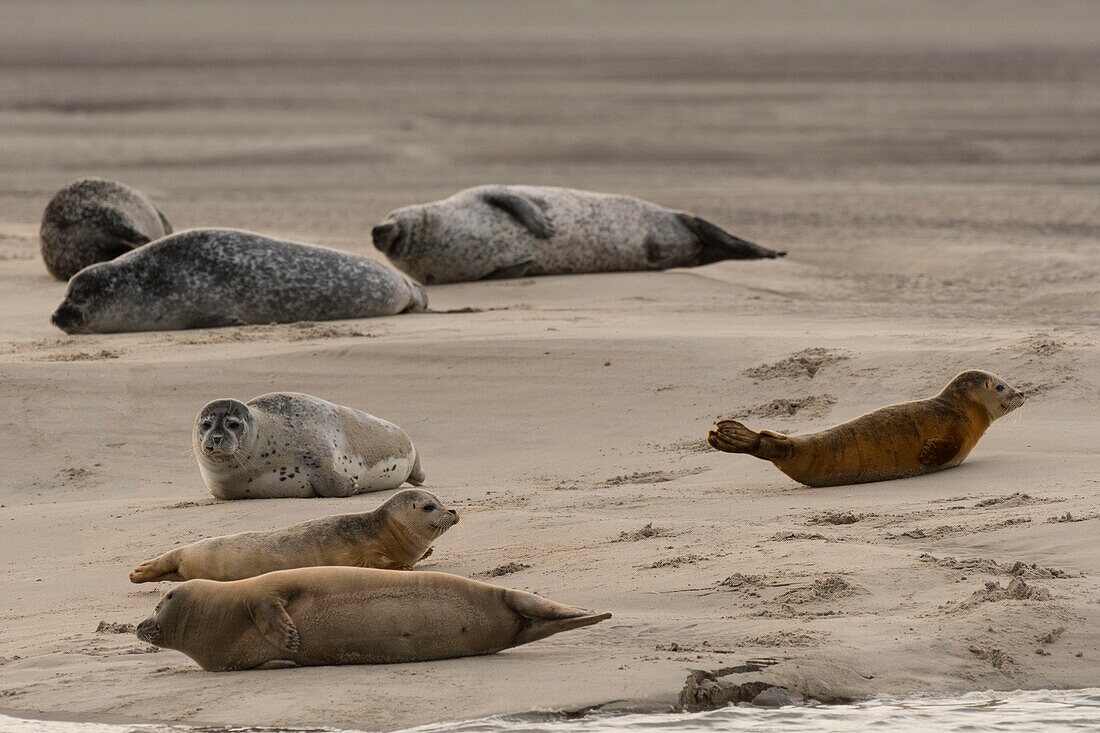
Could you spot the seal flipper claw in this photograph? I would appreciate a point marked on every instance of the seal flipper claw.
(275, 624)
(523, 210)
(718, 244)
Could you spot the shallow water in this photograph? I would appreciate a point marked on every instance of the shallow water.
(1042, 711)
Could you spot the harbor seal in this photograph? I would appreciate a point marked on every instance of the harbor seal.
(286, 444)
(93, 220)
(395, 536)
(517, 231)
(202, 278)
(898, 441)
(330, 615)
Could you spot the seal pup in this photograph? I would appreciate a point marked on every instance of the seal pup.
(93, 220)
(898, 441)
(202, 278)
(285, 445)
(332, 615)
(395, 536)
(518, 231)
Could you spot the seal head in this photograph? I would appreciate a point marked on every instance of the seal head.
(415, 519)
(996, 396)
(93, 220)
(222, 429)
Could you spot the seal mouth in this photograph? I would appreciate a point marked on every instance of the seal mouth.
(446, 524)
(218, 455)
(69, 319)
(149, 631)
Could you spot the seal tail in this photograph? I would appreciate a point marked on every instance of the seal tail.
(718, 244)
(418, 301)
(164, 567)
(731, 436)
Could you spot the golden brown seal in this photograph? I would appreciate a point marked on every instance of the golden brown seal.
(394, 536)
(317, 616)
(898, 441)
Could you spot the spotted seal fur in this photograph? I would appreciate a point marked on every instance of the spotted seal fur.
(203, 278)
(517, 231)
(287, 444)
(94, 220)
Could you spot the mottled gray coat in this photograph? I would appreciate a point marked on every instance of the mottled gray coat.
(518, 231)
(287, 444)
(203, 278)
(94, 220)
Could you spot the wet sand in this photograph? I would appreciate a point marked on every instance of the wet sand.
(934, 178)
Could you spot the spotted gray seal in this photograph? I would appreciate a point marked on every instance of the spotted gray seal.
(93, 220)
(287, 444)
(203, 278)
(331, 615)
(516, 231)
(395, 536)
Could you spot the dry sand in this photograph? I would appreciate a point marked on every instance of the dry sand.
(933, 169)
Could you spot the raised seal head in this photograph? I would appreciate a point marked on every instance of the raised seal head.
(987, 389)
(222, 430)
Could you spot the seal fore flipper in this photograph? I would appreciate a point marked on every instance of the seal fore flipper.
(275, 624)
(523, 210)
(517, 270)
(938, 451)
(718, 244)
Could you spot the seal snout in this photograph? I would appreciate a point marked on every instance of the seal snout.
(148, 630)
(68, 318)
(386, 235)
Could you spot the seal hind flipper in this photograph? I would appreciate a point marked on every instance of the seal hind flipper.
(938, 451)
(275, 624)
(542, 617)
(517, 270)
(731, 436)
(718, 244)
(523, 210)
(163, 567)
(416, 475)
(164, 221)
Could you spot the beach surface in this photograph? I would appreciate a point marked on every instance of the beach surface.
(932, 169)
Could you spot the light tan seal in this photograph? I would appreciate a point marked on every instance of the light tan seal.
(491, 232)
(395, 536)
(320, 616)
(291, 445)
(898, 441)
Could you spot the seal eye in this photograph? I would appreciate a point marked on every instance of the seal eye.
(1000, 388)
(169, 596)
(429, 507)
(232, 424)
(206, 425)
